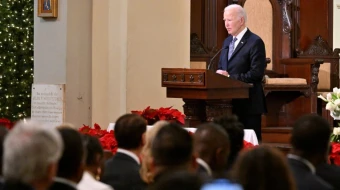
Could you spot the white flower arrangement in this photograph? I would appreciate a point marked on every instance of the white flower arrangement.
(336, 130)
(335, 136)
(333, 103)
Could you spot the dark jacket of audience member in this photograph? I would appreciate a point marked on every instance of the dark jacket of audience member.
(172, 151)
(211, 145)
(263, 168)
(310, 141)
(181, 180)
(235, 131)
(72, 162)
(329, 173)
(122, 170)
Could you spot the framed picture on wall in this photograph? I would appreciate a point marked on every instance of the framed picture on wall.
(48, 8)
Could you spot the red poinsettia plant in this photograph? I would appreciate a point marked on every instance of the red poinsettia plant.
(107, 139)
(6, 123)
(247, 145)
(168, 113)
(334, 155)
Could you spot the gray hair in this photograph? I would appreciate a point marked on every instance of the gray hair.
(29, 149)
(241, 13)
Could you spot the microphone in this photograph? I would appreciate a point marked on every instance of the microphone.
(212, 59)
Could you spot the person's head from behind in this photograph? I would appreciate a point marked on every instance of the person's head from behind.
(211, 143)
(146, 155)
(72, 162)
(94, 155)
(235, 131)
(3, 133)
(235, 19)
(66, 125)
(31, 154)
(310, 138)
(179, 180)
(129, 131)
(172, 149)
(263, 168)
(151, 133)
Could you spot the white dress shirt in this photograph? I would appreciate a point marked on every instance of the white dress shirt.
(240, 36)
(204, 165)
(89, 183)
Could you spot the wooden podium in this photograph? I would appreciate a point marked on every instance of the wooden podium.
(206, 94)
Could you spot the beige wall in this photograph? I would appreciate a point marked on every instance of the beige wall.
(62, 55)
(109, 60)
(158, 36)
(78, 62)
(132, 40)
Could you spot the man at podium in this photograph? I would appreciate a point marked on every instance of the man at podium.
(243, 58)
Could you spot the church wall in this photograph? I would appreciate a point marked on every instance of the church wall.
(109, 42)
(158, 37)
(132, 40)
(50, 47)
(62, 55)
(110, 54)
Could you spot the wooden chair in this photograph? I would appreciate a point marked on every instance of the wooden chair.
(329, 71)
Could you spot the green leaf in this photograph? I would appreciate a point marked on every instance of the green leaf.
(334, 97)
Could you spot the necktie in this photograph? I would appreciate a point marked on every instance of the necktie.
(231, 47)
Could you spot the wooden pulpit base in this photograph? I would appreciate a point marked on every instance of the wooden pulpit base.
(200, 111)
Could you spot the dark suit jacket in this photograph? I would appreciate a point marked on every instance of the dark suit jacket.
(15, 186)
(59, 186)
(329, 173)
(246, 64)
(122, 173)
(305, 179)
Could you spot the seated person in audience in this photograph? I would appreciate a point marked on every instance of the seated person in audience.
(146, 156)
(3, 133)
(72, 162)
(94, 159)
(211, 145)
(181, 180)
(263, 168)
(122, 170)
(31, 154)
(172, 151)
(310, 142)
(235, 131)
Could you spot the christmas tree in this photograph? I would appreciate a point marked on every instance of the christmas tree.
(16, 58)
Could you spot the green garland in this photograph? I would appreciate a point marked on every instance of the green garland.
(16, 58)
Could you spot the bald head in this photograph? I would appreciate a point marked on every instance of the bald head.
(211, 144)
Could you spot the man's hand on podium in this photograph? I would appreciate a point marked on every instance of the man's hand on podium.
(222, 72)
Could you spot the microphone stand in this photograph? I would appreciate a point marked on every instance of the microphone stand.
(213, 58)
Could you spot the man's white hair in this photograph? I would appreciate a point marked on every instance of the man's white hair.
(29, 149)
(241, 13)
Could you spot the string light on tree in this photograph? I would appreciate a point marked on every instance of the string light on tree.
(16, 58)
